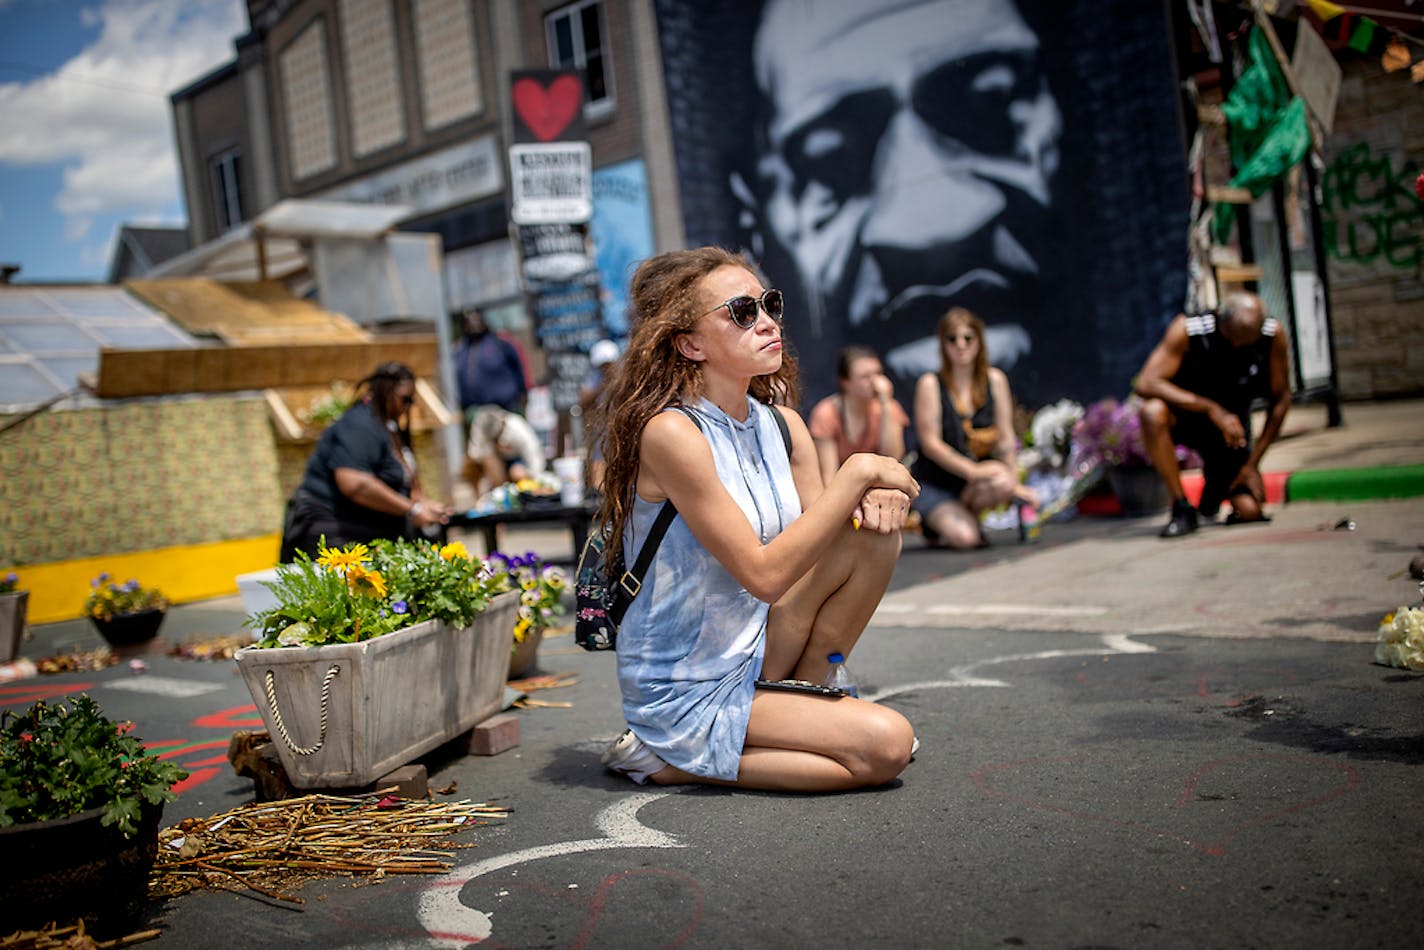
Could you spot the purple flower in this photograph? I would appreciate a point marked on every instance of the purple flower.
(1111, 432)
(399, 607)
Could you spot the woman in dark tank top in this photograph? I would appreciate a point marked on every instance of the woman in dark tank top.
(964, 422)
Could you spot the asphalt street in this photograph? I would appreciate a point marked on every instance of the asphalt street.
(1126, 742)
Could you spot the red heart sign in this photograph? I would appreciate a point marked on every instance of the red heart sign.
(547, 112)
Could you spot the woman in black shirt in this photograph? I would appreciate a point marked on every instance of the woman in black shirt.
(360, 483)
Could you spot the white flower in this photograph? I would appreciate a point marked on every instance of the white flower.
(1052, 430)
(1401, 639)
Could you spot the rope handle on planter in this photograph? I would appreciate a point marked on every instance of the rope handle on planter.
(331, 674)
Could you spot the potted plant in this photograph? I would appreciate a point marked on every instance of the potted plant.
(14, 607)
(376, 654)
(1110, 432)
(124, 613)
(80, 803)
(541, 591)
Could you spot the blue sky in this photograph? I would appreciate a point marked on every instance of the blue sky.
(86, 138)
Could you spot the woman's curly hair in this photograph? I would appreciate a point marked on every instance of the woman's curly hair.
(652, 375)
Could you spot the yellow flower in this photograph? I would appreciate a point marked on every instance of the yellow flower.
(453, 550)
(344, 559)
(365, 581)
(521, 630)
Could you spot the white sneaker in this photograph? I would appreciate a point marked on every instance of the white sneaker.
(631, 756)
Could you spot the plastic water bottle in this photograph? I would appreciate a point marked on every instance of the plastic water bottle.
(839, 676)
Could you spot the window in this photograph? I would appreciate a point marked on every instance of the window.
(576, 42)
(446, 54)
(311, 131)
(373, 84)
(227, 189)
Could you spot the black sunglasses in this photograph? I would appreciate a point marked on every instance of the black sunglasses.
(743, 309)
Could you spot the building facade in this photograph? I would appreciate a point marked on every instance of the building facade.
(1053, 198)
(404, 102)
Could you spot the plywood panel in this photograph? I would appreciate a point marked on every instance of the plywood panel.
(245, 313)
(124, 373)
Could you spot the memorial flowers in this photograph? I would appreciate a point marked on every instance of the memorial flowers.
(1401, 637)
(1049, 441)
(1111, 432)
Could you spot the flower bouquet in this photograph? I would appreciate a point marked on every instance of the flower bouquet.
(1401, 637)
(1111, 433)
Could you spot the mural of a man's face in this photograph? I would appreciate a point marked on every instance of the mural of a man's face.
(905, 162)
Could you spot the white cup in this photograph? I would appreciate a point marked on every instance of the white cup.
(569, 470)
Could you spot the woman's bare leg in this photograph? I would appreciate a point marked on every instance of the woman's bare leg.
(955, 524)
(803, 743)
(827, 609)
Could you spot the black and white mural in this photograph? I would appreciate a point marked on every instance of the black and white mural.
(885, 160)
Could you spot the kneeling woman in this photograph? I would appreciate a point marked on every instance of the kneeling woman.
(763, 574)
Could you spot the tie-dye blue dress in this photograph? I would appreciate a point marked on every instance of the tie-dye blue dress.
(691, 644)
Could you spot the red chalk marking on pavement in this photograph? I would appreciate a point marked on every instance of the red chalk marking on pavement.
(585, 936)
(33, 692)
(983, 780)
(176, 747)
(238, 717)
(195, 778)
(1240, 534)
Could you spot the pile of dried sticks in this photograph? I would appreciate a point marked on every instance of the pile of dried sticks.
(69, 937)
(276, 847)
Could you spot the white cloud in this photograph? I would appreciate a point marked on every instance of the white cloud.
(105, 114)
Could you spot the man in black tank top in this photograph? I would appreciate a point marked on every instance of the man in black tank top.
(1197, 387)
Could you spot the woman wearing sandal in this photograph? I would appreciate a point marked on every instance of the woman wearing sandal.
(764, 572)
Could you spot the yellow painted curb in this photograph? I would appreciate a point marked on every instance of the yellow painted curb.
(185, 573)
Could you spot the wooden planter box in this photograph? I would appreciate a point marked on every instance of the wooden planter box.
(342, 716)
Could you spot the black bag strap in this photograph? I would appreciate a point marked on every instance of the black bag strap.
(632, 580)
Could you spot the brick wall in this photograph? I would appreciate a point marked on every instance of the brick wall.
(1374, 231)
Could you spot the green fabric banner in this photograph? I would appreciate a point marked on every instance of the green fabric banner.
(1270, 132)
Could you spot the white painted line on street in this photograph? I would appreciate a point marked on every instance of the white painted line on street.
(453, 925)
(163, 686)
(966, 676)
(1123, 643)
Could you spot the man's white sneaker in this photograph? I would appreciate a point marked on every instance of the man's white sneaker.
(631, 756)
